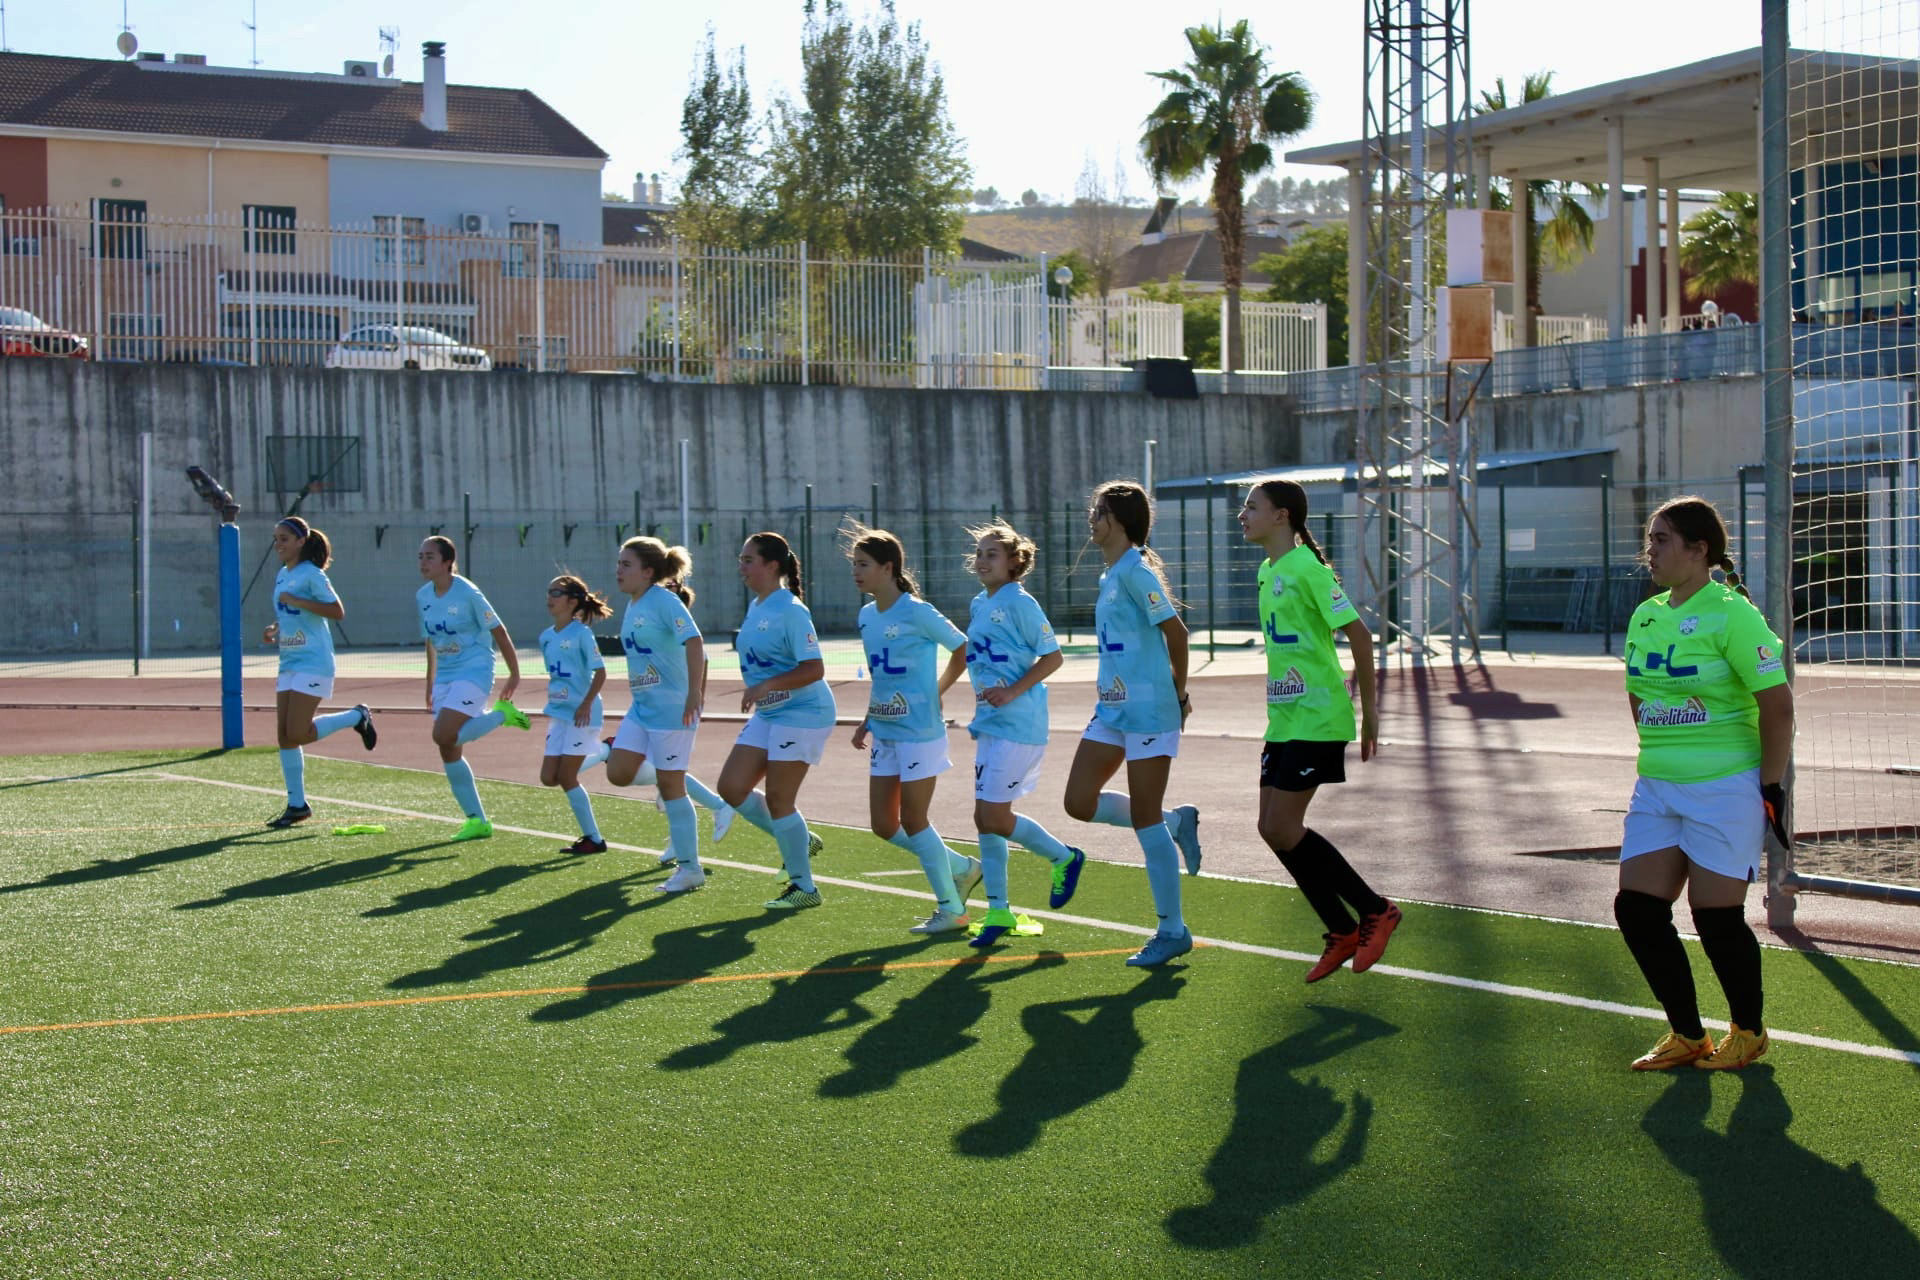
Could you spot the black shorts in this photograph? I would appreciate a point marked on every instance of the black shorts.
(1302, 766)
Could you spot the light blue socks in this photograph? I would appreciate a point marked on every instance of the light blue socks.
(1032, 835)
(582, 805)
(790, 833)
(334, 721)
(1163, 875)
(684, 831)
(993, 868)
(936, 860)
(465, 793)
(708, 798)
(480, 726)
(293, 766)
(753, 809)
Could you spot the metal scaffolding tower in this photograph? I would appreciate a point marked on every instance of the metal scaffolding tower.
(1414, 446)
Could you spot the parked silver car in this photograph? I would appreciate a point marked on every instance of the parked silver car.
(405, 346)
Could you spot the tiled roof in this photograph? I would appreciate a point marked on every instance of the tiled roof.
(130, 97)
(1195, 257)
(981, 251)
(632, 224)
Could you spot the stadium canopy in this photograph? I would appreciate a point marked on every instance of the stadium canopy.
(1555, 468)
(1695, 126)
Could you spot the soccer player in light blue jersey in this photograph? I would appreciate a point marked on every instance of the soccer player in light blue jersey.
(901, 634)
(792, 712)
(1011, 649)
(666, 680)
(304, 601)
(1142, 707)
(461, 630)
(575, 674)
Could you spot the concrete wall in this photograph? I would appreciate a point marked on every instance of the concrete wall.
(552, 464)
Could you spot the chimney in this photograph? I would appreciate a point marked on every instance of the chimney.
(433, 86)
(639, 188)
(655, 187)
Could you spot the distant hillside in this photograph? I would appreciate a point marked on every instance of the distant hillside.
(1049, 229)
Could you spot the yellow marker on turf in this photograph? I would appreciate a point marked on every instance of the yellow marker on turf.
(361, 829)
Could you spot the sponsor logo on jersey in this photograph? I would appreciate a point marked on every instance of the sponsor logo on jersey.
(894, 708)
(1287, 688)
(679, 624)
(1660, 715)
(1115, 692)
(1339, 599)
(774, 699)
(646, 679)
(1155, 600)
(292, 640)
(1769, 659)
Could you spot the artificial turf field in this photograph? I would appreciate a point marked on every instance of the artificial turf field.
(496, 1060)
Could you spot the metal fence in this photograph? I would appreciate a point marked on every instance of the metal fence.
(109, 281)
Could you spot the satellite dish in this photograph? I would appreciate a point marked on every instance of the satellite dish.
(127, 44)
(386, 67)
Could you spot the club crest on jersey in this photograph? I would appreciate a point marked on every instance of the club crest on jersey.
(761, 625)
(1287, 688)
(1689, 625)
(1279, 586)
(997, 616)
(1769, 659)
(1115, 692)
(1660, 715)
(893, 632)
(894, 708)
(1110, 597)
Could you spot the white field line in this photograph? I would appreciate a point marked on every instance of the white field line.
(1508, 990)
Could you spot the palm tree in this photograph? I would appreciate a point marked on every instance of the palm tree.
(1567, 234)
(1723, 244)
(1222, 110)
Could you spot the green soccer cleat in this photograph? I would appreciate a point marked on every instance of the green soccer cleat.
(512, 716)
(474, 829)
(995, 925)
(794, 898)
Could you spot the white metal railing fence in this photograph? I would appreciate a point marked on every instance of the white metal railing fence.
(1284, 337)
(257, 290)
(1549, 330)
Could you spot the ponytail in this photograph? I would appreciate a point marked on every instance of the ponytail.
(314, 547)
(884, 549)
(1725, 565)
(771, 546)
(587, 607)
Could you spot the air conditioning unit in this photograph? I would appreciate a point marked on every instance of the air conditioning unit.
(362, 70)
(475, 224)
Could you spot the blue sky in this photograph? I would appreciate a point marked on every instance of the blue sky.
(1034, 88)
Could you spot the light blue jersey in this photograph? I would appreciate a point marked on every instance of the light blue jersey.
(572, 656)
(1006, 632)
(775, 637)
(1136, 676)
(654, 634)
(306, 641)
(459, 625)
(903, 653)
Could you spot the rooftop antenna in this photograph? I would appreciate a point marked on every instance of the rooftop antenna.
(253, 28)
(126, 42)
(389, 41)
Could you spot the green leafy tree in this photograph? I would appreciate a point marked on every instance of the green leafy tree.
(717, 140)
(1029, 198)
(1314, 269)
(1223, 110)
(1566, 234)
(866, 162)
(1266, 196)
(1721, 244)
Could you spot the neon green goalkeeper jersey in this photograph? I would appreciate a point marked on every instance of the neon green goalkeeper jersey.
(1695, 669)
(1301, 604)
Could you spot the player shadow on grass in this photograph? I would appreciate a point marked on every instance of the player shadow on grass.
(481, 884)
(1074, 1062)
(123, 770)
(323, 875)
(678, 957)
(1280, 1120)
(140, 864)
(540, 934)
(1758, 1186)
(1845, 979)
(926, 1027)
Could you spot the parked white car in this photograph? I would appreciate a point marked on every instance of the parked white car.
(405, 346)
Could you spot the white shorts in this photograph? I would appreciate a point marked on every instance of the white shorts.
(311, 683)
(565, 738)
(910, 761)
(1003, 771)
(1140, 746)
(462, 698)
(1719, 825)
(670, 749)
(784, 741)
